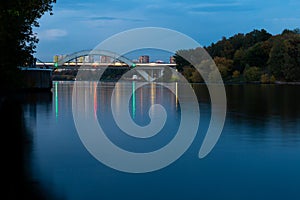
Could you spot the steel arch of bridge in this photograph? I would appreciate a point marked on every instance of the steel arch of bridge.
(94, 52)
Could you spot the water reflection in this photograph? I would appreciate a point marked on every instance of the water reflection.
(97, 98)
(264, 100)
(19, 116)
(257, 113)
(56, 98)
(256, 156)
(133, 100)
(258, 101)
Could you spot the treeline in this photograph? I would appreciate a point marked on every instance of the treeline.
(257, 56)
(18, 18)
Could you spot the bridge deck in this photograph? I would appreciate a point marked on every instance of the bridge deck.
(51, 64)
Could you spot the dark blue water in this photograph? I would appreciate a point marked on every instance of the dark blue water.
(256, 157)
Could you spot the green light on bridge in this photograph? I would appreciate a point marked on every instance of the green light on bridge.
(133, 65)
(55, 64)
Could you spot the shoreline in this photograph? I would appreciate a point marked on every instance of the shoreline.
(287, 83)
(225, 83)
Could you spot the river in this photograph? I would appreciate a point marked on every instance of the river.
(256, 157)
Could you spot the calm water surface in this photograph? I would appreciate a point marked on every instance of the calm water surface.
(256, 157)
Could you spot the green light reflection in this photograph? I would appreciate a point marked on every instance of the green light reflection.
(56, 100)
(133, 100)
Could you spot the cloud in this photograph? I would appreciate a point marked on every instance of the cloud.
(207, 7)
(104, 18)
(213, 5)
(219, 7)
(109, 21)
(52, 34)
(290, 19)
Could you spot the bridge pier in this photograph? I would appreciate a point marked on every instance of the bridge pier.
(36, 78)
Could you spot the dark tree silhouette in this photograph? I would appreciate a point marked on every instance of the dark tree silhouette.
(17, 39)
(253, 54)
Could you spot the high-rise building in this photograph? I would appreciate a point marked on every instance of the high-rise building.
(89, 59)
(172, 60)
(55, 58)
(80, 59)
(144, 59)
(105, 59)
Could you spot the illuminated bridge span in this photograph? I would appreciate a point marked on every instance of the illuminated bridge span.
(72, 60)
(149, 71)
(76, 65)
(83, 53)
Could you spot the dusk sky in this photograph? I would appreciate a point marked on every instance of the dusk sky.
(82, 24)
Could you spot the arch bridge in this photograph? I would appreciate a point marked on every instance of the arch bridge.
(147, 71)
(96, 52)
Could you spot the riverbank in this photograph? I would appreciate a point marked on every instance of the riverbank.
(287, 83)
(72, 78)
(17, 180)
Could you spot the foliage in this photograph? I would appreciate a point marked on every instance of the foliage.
(291, 69)
(239, 62)
(181, 62)
(213, 76)
(272, 79)
(284, 60)
(17, 19)
(196, 77)
(278, 56)
(252, 74)
(227, 47)
(190, 58)
(236, 74)
(187, 72)
(265, 78)
(167, 75)
(258, 54)
(222, 61)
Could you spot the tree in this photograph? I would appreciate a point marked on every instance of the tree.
(180, 61)
(252, 74)
(287, 31)
(187, 72)
(265, 78)
(297, 31)
(277, 55)
(196, 77)
(239, 62)
(277, 59)
(256, 36)
(166, 76)
(224, 62)
(17, 19)
(224, 65)
(258, 54)
(236, 74)
(291, 68)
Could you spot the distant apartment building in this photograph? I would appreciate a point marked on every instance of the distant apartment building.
(144, 59)
(80, 59)
(56, 58)
(89, 59)
(172, 60)
(105, 59)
